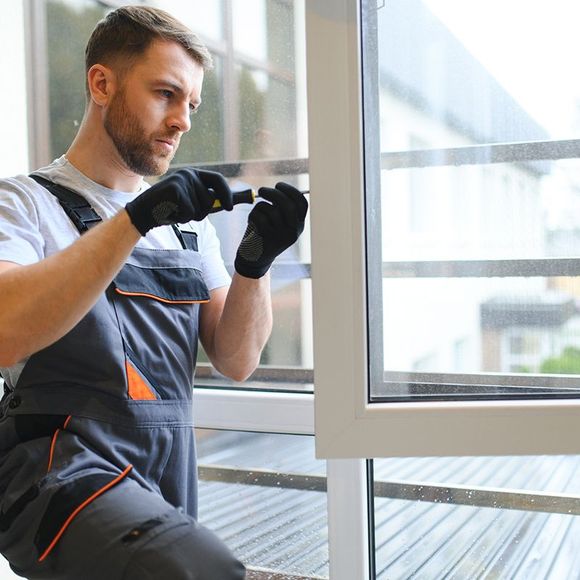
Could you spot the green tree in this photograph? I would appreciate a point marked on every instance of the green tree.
(567, 363)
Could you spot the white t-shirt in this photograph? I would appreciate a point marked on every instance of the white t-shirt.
(34, 226)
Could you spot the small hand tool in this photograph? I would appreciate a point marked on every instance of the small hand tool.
(241, 196)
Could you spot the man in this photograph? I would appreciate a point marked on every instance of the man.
(103, 299)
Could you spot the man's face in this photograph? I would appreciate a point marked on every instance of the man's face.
(151, 108)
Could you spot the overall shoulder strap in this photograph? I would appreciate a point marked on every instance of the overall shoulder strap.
(187, 239)
(77, 208)
(84, 217)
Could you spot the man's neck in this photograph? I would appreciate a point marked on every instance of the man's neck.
(95, 156)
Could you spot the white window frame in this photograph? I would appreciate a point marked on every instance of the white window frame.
(347, 425)
(293, 413)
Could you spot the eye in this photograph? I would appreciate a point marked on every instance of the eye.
(193, 109)
(166, 93)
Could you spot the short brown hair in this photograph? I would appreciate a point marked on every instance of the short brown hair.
(126, 33)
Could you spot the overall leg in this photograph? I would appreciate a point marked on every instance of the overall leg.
(129, 533)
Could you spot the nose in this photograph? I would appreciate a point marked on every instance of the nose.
(180, 118)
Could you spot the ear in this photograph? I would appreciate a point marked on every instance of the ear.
(102, 84)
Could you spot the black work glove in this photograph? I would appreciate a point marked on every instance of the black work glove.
(185, 195)
(272, 228)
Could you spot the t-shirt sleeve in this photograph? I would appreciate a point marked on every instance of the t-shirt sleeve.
(20, 238)
(215, 273)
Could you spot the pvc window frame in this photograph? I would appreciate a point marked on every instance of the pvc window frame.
(348, 425)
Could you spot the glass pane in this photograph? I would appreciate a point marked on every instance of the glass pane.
(480, 325)
(267, 111)
(14, 151)
(471, 222)
(264, 495)
(287, 359)
(265, 132)
(249, 21)
(271, 23)
(442, 77)
(250, 111)
(475, 212)
(69, 25)
(204, 18)
(484, 517)
(204, 143)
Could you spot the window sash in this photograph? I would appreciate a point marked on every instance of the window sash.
(347, 425)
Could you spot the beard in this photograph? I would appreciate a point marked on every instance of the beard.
(133, 143)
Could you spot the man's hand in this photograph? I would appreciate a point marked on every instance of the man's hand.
(185, 195)
(272, 228)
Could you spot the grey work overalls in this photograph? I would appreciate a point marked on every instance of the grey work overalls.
(97, 452)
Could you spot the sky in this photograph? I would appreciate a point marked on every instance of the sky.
(532, 47)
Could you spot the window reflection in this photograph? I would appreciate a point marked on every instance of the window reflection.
(478, 223)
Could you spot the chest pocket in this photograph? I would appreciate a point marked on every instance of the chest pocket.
(156, 298)
(170, 276)
(163, 275)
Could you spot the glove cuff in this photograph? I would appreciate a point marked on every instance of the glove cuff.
(249, 269)
(138, 218)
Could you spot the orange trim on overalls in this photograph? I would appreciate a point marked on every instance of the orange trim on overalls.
(80, 508)
(53, 442)
(51, 452)
(159, 299)
(138, 389)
